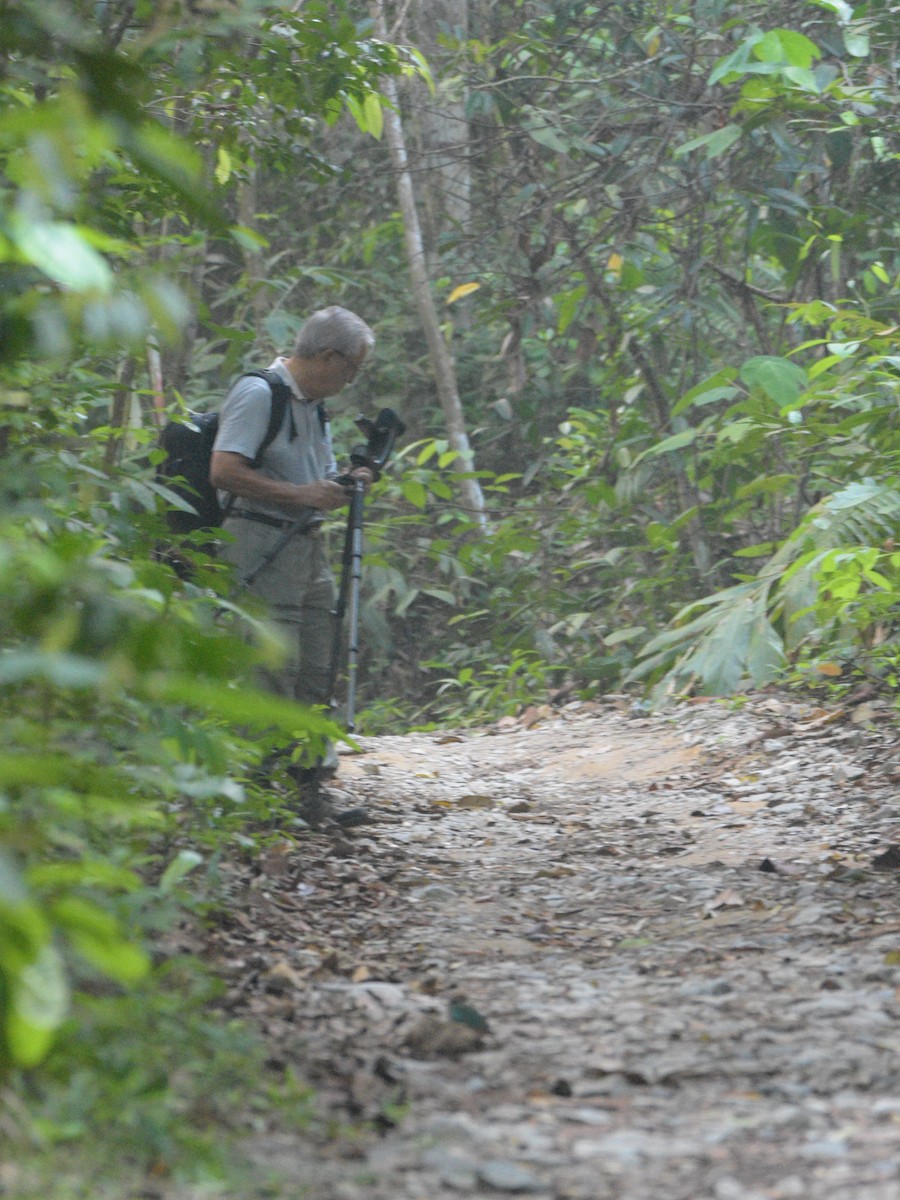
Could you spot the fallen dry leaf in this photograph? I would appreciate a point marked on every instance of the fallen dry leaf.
(728, 898)
(475, 801)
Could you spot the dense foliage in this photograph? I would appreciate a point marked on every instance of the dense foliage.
(133, 732)
(663, 239)
(672, 301)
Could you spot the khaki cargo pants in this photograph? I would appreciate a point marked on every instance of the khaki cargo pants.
(299, 590)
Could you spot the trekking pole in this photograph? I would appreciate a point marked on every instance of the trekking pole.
(382, 434)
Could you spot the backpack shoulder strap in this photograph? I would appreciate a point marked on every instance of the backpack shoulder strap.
(281, 401)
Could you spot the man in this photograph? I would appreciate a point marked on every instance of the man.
(295, 480)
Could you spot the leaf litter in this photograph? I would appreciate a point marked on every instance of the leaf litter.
(591, 954)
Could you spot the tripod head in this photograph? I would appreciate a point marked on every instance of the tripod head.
(381, 434)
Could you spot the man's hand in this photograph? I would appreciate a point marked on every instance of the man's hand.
(325, 494)
(349, 478)
(234, 473)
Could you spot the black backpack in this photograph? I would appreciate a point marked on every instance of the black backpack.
(188, 447)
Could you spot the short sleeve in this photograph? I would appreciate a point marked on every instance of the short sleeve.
(244, 417)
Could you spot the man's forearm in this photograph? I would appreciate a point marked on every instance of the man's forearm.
(232, 473)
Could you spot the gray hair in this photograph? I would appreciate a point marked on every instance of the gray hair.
(333, 328)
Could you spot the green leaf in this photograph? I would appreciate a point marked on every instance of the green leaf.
(659, 535)
(734, 64)
(38, 1000)
(441, 594)
(223, 165)
(60, 670)
(62, 253)
(786, 46)
(624, 635)
(406, 600)
(368, 114)
(676, 442)
(715, 143)
(171, 498)
(735, 432)
(798, 594)
(540, 128)
(52, 770)
(765, 650)
(567, 306)
(415, 492)
(802, 78)
(697, 397)
(780, 379)
(855, 494)
(841, 7)
(249, 239)
(421, 65)
(97, 937)
(465, 1014)
(374, 114)
(765, 485)
(181, 865)
(86, 873)
(244, 706)
(720, 659)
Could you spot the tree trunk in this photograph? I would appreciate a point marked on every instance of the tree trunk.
(442, 120)
(445, 374)
(157, 388)
(253, 257)
(119, 412)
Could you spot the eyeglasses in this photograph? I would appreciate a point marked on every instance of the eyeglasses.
(353, 368)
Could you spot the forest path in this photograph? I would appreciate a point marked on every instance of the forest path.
(682, 931)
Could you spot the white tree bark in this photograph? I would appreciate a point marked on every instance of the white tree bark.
(442, 119)
(442, 362)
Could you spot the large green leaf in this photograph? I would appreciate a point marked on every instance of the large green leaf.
(786, 46)
(181, 865)
(63, 254)
(717, 387)
(38, 1000)
(93, 872)
(677, 441)
(97, 936)
(765, 648)
(779, 378)
(714, 143)
(57, 770)
(240, 705)
(720, 659)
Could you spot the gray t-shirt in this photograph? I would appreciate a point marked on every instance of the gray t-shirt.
(243, 422)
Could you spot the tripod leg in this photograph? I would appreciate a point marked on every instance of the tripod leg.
(349, 591)
(353, 628)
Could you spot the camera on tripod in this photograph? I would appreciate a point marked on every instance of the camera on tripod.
(374, 453)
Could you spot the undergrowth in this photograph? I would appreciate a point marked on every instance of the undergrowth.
(155, 1083)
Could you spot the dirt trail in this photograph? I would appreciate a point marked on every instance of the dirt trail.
(681, 931)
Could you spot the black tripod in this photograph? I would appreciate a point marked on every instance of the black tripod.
(381, 434)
